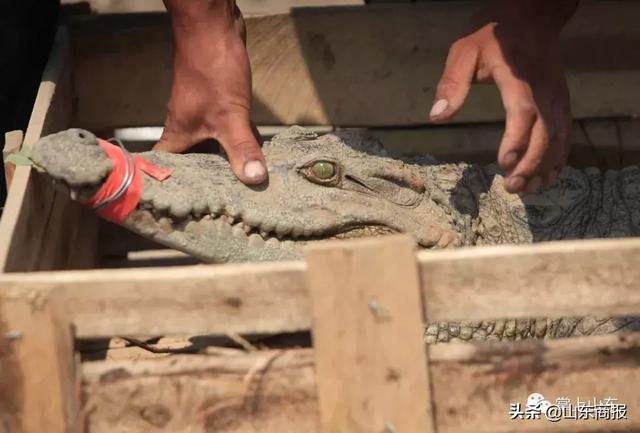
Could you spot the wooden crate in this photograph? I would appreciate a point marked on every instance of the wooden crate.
(368, 369)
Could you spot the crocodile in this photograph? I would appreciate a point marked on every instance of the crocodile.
(344, 185)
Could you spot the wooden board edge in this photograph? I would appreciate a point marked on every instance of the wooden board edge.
(38, 383)
(309, 48)
(371, 296)
(41, 228)
(54, 70)
(597, 277)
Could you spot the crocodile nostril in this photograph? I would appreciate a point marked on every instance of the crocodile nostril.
(82, 135)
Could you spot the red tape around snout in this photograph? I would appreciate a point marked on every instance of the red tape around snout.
(119, 210)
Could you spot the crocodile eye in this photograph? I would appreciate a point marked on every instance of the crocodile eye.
(323, 170)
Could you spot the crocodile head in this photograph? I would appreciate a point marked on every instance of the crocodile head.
(340, 185)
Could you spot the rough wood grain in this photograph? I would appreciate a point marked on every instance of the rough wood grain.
(366, 294)
(246, 298)
(357, 66)
(270, 391)
(41, 228)
(568, 278)
(37, 368)
(473, 385)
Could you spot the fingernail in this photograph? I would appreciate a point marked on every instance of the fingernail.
(515, 184)
(510, 159)
(439, 107)
(254, 171)
(534, 185)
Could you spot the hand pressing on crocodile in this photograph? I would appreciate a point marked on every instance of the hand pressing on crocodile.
(211, 92)
(514, 44)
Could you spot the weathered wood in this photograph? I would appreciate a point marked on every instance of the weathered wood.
(358, 66)
(41, 228)
(563, 278)
(270, 391)
(248, 7)
(472, 384)
(246, 298)
(365, 294)
(568, 278)
(38, 390)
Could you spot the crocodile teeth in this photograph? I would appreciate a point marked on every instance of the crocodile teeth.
(272, 242)
(281, 230)
(238, 231)
(231, 211)
(243, 227)
(264, 234)
(255, 240)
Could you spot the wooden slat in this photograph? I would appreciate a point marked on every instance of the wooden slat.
(472, 385)
(598, 277)
(42, 229)
(37, 368)
(248, 7)
(365, 294)
(569, 278)
(245, 298)
(376, 65)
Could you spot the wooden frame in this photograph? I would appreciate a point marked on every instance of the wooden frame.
(444, 388)
(390, 52)
(273, 297)
(31, 233)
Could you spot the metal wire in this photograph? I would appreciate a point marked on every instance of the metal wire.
(130, 170)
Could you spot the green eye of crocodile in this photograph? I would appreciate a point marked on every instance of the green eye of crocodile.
(324, 170)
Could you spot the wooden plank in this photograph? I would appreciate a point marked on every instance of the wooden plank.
(568, 278)
(38, 374)
(41, 228)
(365, 294)
(266, 391)
(248, 7)
(608, 144)
(473, 386)
(314, 66)
(246, 298)
(149, 258)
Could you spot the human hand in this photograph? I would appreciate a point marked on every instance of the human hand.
(211, 93)
(515, 45)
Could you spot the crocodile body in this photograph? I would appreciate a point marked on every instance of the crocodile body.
(344, 185)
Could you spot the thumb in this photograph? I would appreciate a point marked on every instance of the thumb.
(241, 143)
(455, 82)
(176, 142)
